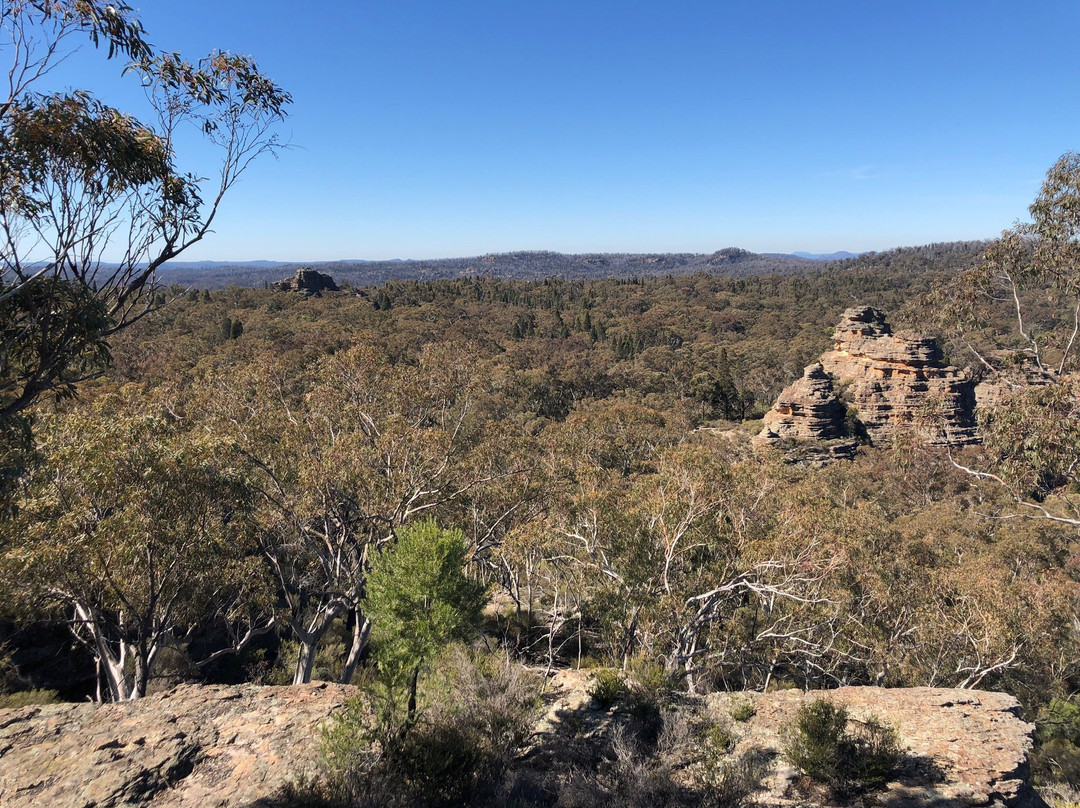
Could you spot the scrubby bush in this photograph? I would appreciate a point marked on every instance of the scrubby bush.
(651, 689)
(607, 688)
(689, 766)
(479, 712)
(732, 783)
(25, 698)
(742, 709)
(13, 688)
(847, 761)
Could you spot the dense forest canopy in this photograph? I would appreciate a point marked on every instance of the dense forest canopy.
(589, 439)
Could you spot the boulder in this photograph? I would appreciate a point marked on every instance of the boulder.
(962, 748)
(899, 381)
(809, 411)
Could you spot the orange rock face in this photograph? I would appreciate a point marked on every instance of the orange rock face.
(898, 381)
(892, 382)
(809, 410)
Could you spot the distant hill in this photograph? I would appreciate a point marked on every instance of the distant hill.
(836, 256)
(215, 264)
(525, 265)
(538, 265)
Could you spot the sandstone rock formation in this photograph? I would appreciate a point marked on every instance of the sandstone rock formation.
(236, 746)
(898, 380)
(962, 747)
(809, 410)
(892, 382)
(191, 747)
(309, 282)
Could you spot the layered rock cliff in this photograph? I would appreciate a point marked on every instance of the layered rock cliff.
(810, 414)
(891, 382)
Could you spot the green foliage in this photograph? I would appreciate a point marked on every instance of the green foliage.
(419, 600)
(12, 688)
(733, 782)
(419, 597)
(81, 178)
(719, 740)
(325, 668)
(651, 688)
(1056, 758)
(1056, 761)
(1058, 719)
(607, 688)
(611, 525)
(138, 535)
(742, 709)
(686, 766)
(820, 744)
(28, 698)
(48, 354)
(482, 708)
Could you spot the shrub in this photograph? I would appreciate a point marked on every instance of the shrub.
(820, 744)
(652, 689)
(1057, 757)
(732, 783)
(13, 692)
(689, 766)
(457, 751)
(1058, 719)
(742, 709)
(607, 688)
(25, 698)
(718, 740)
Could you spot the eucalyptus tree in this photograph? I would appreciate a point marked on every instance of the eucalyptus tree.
(1029, 277)
(139, 536)
(94, 200)
(344, 454)
(689, 560)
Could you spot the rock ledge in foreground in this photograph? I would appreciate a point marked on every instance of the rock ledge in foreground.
(192, 747)
(236, 746)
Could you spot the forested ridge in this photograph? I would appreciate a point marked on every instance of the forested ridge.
(538, 265)
(454, 482)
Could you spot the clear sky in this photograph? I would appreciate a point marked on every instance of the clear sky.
(451, 128)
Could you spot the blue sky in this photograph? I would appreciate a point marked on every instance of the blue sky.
(427, 129)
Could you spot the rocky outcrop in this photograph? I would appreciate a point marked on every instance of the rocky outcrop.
(237, 746)
(898, 381)
(309, 282)
(892, 382)
(808, 415)
(961, 747)
(188, 748)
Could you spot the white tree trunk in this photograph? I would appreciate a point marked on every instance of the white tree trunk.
(361, 631)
